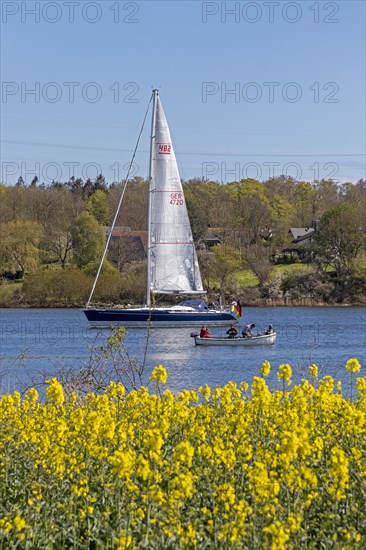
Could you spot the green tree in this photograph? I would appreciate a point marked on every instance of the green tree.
(219, 202)
(57, 241)
(207, 261)
(100, 183)
(327, 195)
(226, 262)
(19, 249)
(340, 238)
(3, 195)
(283, 186)
(197, 217)
(13, 203)
(258, 258)
(282, 212)
(133, 212)
(253, 214)
(305, 204)
(88, 239)
(97, 205)
(75, 185)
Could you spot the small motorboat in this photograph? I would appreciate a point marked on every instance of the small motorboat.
(259, 340)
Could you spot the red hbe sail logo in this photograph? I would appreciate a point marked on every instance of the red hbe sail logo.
(164, 148)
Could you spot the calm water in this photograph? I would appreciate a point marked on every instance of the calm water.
(33, 340)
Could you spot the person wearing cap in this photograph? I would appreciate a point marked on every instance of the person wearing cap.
(269, 330)
(232, 332)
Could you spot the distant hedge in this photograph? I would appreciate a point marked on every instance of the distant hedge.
(67, 288)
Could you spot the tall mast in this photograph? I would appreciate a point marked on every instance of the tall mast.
(152, 138)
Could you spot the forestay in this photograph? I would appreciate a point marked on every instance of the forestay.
(173, 258)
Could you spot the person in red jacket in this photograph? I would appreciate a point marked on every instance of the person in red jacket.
(205, 333)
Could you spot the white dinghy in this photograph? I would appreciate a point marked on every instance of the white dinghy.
(260, 340)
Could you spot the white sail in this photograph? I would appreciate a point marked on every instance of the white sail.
(173, 258)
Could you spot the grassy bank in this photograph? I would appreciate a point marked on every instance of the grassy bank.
(294, 284)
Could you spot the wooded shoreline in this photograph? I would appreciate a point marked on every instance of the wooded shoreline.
(275, 243)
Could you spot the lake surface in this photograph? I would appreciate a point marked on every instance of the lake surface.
(34, 340)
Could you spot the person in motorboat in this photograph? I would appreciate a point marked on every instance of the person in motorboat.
(232, 332)
(269, 330)
(204, 332)
(247, 331)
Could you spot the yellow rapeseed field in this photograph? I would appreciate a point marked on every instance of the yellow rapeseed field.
(231, 467)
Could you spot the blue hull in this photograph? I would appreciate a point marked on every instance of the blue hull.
(99, 318)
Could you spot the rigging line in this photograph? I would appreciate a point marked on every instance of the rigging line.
(118, 207)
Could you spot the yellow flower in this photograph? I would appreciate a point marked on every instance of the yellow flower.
(143, 469)
(361, 387)
(183, 454)
(205, 391)
(159, 375)
(188, 536)
(16, 398)
(313, 370)
(182, 486)
(117, 391)
(124, 541)
(280, 535)
(185, 469)
(244, 386)
(55, 392)
(225, 494)
(5, 525)
(122, 462)
(266, 368)
(19, 523)
(339, 473)
(353, 365)
(153, 441)
(32, 395)
(285, 373)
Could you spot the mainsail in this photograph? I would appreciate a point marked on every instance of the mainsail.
(173, 259)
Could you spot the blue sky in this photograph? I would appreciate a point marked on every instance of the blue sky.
(295, 71)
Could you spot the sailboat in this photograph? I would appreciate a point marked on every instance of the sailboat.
(172, 265)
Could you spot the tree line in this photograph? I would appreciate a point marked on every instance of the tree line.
(63, 224)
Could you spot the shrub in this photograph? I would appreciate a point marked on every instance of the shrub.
(109, 287)
(68, 288)
(315, 287)
(133, 288)
(91, 269)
